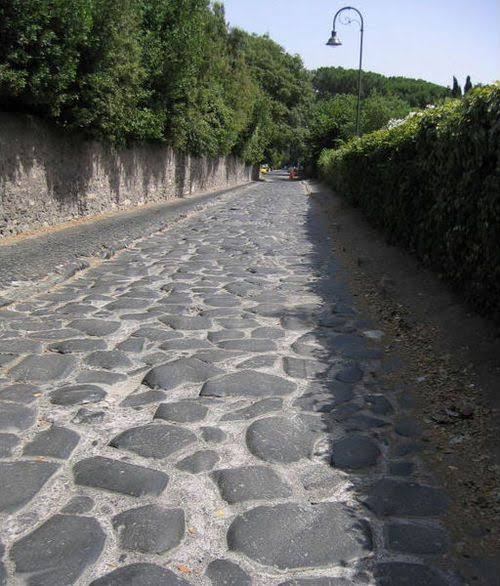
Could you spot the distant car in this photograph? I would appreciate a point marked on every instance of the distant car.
(264, 169)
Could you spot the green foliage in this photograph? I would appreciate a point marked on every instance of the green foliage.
(330, 81)
(165, 70)
(40, 46)
(432, 184)
(287, 97)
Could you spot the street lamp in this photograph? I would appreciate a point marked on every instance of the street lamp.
(334, 41)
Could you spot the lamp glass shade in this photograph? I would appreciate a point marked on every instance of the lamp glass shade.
(334, 40)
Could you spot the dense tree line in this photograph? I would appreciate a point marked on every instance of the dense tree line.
(330, 81)
(165, 70)
(173, 71)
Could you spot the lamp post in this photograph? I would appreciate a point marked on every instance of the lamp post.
(334, 41)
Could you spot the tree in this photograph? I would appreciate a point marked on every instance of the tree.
(378, 109)
(468, 85)
(330, 81)
(456, 90)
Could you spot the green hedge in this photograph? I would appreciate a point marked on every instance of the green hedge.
(432, 184)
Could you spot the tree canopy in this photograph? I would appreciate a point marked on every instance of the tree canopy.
(173, 71)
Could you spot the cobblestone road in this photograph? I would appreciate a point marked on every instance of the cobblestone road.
(209, 407)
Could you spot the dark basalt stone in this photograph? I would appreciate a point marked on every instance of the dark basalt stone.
(98, 328)
(57, 552)
(20, 393)
(56, 442)
(279, 439)
(15, 417)
(21, 481)
(212, 435)
(225, 573)
(108, 360)
(398, 498)
(290, 536)
(77, 395)
(117, 476)
(201, 461)
(355, 452)
(140, 574)
(412, 538)
(247, 383)
(78, 346)
(150, 529)
(43, 368)
(250, 483)
(255, 410)
(175, 373)
(154, 440)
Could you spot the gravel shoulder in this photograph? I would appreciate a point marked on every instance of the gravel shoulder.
(449, 357)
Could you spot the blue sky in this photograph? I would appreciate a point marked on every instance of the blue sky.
(428, 39)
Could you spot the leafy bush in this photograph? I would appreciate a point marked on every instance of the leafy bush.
(163, 70)
(432, 184)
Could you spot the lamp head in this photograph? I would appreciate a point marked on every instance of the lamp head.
(334, 40)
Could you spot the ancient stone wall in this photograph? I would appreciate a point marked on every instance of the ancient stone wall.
(48, 176)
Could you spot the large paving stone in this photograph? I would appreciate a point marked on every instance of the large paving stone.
(410, 538)
(213, 435)
(250, 483)
(77, 395)
(389, 497)
(21, 481)
(20, 393)
(150, 529)
(280, 439)
(43, 368)
(15, 417)
(259, 361)
(247, 383)
(57, 552)
(156, 334)
(78, 346)
(268, 333)
(154, 440)
(56, 442)
(175, 373)
(146, 398)
(350, 373)
(181, 411)
(108, 360)
(221, 335)
(255, 410)
(303, 369)
(20, 346)
(117, 476)
(200, 461)
(101, 377)
(355, 452)
(250, 345)
(187, 323)
(95, 327)
(226, 573)
(8, 441)
(405, 574)
(140, 574)
(290, 536)
(182, 344)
